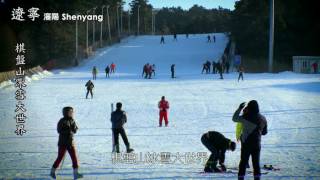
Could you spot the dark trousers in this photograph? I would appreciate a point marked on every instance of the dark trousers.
(246, 152)
(221, 75)
(89, 91)
(172, 74)
(107, 74)
(240, 76)
(62, 151)
(215, 153)
(122, 132)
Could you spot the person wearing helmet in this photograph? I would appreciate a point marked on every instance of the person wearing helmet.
(217, 144)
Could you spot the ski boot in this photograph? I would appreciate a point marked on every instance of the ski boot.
(216, 170)
(53, 173)
(117, 149)
(223, 168)
(129, 150)
(207, 169)
(76, 174)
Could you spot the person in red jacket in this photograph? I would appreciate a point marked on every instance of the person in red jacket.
(113, 68)
(163, 114)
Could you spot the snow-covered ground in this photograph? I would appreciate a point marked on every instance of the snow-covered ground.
(199, 103)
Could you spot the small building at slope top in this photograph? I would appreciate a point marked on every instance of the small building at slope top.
(306, 64)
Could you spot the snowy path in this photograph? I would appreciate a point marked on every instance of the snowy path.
(290, 102)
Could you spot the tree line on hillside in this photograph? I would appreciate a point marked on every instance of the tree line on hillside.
(296, 28)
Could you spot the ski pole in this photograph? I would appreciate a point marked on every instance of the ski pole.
(113, 148)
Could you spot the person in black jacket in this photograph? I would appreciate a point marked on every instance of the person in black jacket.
(90, 87)
(172, 70)
(118, 119)
(220, 69)
(214, 68)
(254, 125)
(66, 128)
(107, 70)
(218, 145)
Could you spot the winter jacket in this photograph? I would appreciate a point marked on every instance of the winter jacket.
(66, 128)
(253, 127)
(107, 69)
(220, 143)
(163, 105)
(118, 119)
(89, 85)
(94, 71)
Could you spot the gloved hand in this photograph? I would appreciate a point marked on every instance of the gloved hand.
(242, 105)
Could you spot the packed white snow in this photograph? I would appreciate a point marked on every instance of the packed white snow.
(198, 103)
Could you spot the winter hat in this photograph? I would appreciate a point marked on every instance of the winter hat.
(65, 111)
(253, 107)
(119, 105)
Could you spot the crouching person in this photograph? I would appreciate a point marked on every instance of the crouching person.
(217, 144)
(66, 128)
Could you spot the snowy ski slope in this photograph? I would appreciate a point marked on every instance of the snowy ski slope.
(290, 102)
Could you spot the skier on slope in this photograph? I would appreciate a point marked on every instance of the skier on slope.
(208, 65)
(214, 68)
(218, 145)
(220, 69)
(175, 37)
(144, 69)
(150, 69)
(107, 70)
(163, 106)
(90, 87)
(172, 70)
(241, 71)
(209, 39)
(154, 70)
(94, 72)
(113, 67)
(162, 40)
(118, 119)
(254, 125)
(204, 68)
(214, 38)
(227, 64)
(66, 128)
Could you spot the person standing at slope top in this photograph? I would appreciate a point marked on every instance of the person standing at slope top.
(172, 70)
(113, 68)
(94, 72)
(107, 70)
(162, 40)
(66, 128)
(163, 106)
